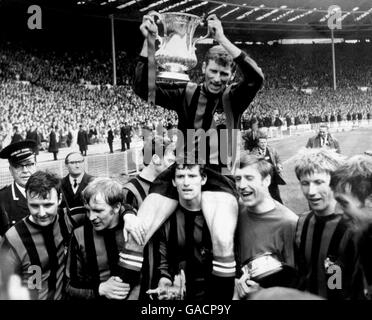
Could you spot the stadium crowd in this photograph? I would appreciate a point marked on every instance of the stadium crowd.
(66, 92)
(66, 89)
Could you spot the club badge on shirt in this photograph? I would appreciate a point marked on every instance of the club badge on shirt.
(331, 263)
(219, 118)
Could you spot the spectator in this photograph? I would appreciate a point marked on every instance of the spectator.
(324, 140)
(250, 137)
(270, 155)
(74, 183)
(54, 142)
(110, 139)
(82, 140)
(17, 137)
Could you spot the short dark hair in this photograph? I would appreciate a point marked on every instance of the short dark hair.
(219, 55)
(41, 183)
(323, 125)
(70, 154)
(254, 120)
(264, 167)
(181, 166)
(355, 175)
(187, 161)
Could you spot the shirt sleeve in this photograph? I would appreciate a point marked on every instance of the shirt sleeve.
(168, 96)
(163, 250)
(77, 285)
(10, 263)
(130, 198)
(244, 92)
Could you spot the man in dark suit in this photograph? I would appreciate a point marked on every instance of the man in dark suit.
(82, 140)
(125, 132)
(128, 135)
(74, 183)
(110, 139)
(323, 140)
(54, 142)
(270, 155)
(22, 164)
(17, 135)
(32, 134)
(250, 137)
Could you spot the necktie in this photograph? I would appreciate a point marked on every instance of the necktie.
(75, 183)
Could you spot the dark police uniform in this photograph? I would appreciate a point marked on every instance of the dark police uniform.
(13, 207)
(13, 204)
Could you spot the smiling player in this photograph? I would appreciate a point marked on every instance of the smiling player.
(325, 240)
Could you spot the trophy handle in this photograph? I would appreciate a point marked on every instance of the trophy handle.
(160, 19)
(200, 38)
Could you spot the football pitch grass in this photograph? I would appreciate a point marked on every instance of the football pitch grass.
(351, 143)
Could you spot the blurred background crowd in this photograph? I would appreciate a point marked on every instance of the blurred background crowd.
(53, 88)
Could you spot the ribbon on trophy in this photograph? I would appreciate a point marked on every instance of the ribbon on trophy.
(151, 71)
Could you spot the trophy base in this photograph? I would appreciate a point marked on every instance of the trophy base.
(166, 75)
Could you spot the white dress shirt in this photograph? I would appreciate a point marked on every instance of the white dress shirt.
(78, 181)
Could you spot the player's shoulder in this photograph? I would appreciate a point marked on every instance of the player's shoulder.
(5, 187)
(79, 231)
(130, 182)
(286, 213)
(304, 214)
(13, 234)
(4, 190)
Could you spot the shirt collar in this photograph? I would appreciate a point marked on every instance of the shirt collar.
(21, 189)
(78, 179)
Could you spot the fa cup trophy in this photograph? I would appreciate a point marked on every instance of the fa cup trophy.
(176, 53)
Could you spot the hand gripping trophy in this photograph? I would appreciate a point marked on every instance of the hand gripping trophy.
(177, 291)
(176, 53)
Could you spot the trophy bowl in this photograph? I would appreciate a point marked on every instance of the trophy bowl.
(176, 54)
(267, 270)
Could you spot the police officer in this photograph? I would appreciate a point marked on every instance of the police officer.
(22, 164)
